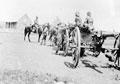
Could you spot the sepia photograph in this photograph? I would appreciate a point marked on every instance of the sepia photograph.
(59, 41)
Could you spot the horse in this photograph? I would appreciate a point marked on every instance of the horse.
(29, 29)
(53, 33)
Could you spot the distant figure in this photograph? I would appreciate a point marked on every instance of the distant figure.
(78, 20)
(89, 22)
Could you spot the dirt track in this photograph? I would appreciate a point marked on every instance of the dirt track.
(17, 54)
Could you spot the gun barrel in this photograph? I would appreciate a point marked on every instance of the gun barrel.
(108, 35)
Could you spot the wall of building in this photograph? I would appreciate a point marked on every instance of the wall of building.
(23, 22)
(18, 25)
(11, 25)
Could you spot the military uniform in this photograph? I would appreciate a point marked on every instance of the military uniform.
(36, 22)
(78, 21)
(35, 25)
(89, 22)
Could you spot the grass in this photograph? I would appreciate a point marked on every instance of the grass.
(26, 77)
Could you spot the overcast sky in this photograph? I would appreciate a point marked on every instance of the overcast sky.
(106, 13)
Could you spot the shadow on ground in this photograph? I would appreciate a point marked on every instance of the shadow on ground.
(69, 65)
(91, 65)
(110, 66)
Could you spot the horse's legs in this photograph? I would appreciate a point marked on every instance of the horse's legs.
(51, 39)
(29, 36)
(39, 35)
(25, 33)
(45, 42)
(45, 39)
(41, 41)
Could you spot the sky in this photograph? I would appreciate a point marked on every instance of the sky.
(106, 13)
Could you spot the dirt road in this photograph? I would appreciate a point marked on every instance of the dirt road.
(17, 54)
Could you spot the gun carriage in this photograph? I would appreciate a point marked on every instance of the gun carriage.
(77, 40)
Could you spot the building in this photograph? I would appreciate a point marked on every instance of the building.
(2, 24)
(11, 25)
(22, 22)
(18, 25)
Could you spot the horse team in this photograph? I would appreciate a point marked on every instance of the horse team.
(43, 32)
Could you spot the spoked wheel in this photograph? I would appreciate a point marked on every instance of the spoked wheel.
(117, 59)
(76, 50)
(117, 53)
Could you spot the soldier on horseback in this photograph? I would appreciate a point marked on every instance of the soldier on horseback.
(35, 25)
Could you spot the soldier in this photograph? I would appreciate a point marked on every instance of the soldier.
(89, 21)
(78, 23)
(35, 24)
(78, 20)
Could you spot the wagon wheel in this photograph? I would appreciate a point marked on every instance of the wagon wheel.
(117, 53)
(66, 43)
(76, 50)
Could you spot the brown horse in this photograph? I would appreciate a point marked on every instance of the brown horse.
(29, 29)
